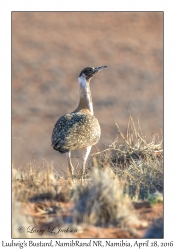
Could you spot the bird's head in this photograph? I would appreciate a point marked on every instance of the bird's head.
(87, 73)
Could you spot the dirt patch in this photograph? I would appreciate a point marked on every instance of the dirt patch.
(40, 212)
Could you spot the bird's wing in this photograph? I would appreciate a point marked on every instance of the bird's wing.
(60, 126)
(75, 130)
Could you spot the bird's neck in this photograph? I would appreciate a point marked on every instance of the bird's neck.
(85, 99)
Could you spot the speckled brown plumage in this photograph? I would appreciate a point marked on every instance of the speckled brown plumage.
(75, 131)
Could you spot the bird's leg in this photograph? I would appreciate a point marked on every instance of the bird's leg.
(71, 168)
(86, 152)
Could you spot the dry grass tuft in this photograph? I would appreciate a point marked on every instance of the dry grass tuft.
(102, 202)
(38, 184)
(137, 163)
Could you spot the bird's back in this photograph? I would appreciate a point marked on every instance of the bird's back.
(74, 131)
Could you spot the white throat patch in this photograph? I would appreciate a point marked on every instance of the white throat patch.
(82, 81)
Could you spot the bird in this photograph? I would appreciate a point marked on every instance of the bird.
(79, 129)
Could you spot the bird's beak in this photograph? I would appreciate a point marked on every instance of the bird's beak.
(96, 70)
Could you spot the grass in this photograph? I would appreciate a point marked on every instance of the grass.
(137, 163)
(155, 198)
(102, 203)
(34, 185)
(128, 170)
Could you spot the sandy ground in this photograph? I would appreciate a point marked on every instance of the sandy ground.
(47, 214)
(49, 49)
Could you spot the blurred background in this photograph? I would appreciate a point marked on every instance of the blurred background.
(49, 49)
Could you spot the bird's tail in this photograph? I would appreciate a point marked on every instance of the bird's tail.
(62, 150)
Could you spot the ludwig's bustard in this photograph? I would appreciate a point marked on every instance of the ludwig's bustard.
(79, 129)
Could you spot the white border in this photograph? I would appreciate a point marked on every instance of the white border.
(5, 91)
